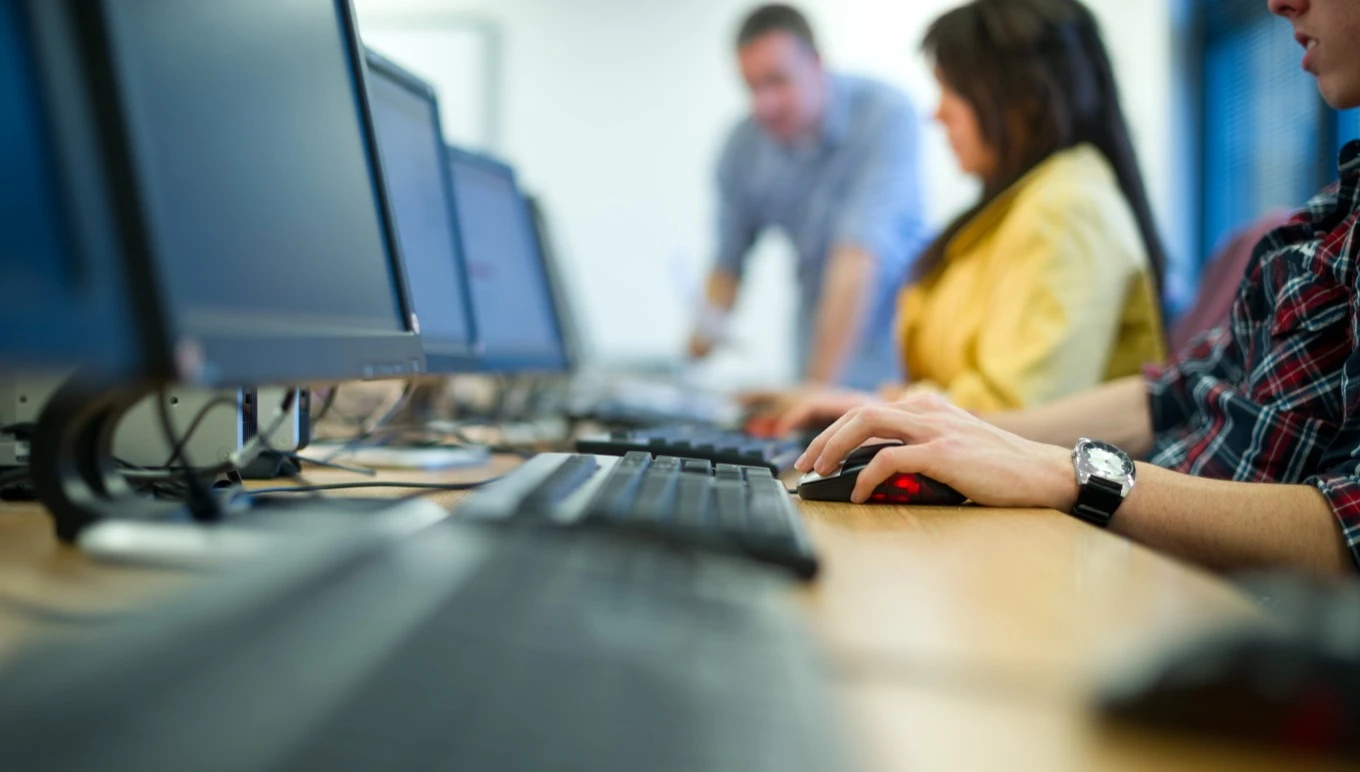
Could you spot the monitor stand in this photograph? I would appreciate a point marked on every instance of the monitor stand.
(71, 460)
(76, 477)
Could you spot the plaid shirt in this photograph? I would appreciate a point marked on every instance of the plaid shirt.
(1274, 394)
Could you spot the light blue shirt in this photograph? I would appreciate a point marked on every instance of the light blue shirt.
(857, 184)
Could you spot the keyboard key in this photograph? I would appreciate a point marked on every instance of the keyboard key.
(562, 482)
(697, 466)
(667, 463)
(692, 502)
(656, 498)
(729, 472)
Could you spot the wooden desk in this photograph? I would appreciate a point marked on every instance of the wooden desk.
(958, 639)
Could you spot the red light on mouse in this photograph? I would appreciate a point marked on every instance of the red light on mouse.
(908, 484)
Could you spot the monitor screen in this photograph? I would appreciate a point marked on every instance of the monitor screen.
(255, 167)
(516, 317)
(64, 301)
(406, 116)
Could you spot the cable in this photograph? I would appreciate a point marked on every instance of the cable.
(178, 447)
(202, 505)
(366, 485)
(326, 405)
(300, 460)
(368, 432)
(24, 428)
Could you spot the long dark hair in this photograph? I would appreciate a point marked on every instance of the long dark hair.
(1038, 76)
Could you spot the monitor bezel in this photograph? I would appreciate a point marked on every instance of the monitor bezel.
(221, 358)
(102, 323)
(514, 363)
(441, 356)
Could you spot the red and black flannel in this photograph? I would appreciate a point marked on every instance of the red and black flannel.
(1274, 394)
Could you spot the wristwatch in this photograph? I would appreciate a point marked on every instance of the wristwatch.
(1104, 478)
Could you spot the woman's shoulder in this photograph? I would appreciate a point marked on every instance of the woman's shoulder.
(1077, 178)
(1075, 198)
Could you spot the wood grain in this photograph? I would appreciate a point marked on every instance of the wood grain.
(958, 639)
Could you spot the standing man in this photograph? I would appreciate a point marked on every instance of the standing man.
(832, 161)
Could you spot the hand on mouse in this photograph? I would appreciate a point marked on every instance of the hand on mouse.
(989, 466)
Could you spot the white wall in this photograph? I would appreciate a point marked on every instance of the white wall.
(614, 111)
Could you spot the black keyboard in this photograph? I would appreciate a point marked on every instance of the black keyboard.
(439, 647)
(720, 446)
(723, 507)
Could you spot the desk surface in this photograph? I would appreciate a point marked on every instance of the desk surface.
(958, 639)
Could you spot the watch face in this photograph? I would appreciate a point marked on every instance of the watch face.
(1107, 462)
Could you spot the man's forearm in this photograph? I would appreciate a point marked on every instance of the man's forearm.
(841, 314)
(1234, 526)
(1116, 413)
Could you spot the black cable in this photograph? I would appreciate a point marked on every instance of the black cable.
(201, 503)
(178, 447)
(23, 428)
(364, 485)
(300, 460)
(326, 405)
(365, 434)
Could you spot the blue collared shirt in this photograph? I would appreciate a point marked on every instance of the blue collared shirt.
(857, 184)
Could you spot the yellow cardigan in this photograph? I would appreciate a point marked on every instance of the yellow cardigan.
(1046, 292)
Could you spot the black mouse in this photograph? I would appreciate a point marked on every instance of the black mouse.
(1294, 683)
(916, 489)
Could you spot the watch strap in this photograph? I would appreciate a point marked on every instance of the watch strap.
(1097, 501)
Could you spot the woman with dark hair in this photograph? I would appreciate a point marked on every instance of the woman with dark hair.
(1050, 284)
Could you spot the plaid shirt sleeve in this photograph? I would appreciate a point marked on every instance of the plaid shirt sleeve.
(1339, 476)
(1205, 363)
(1273, 396)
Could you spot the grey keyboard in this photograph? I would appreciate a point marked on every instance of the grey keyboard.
(689, 502)
(450, 647)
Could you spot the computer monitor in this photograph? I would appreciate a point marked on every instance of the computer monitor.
(252, 214)
(252, 158)
(64, 299)
(568, 320)
(517, 319)
(411, 141)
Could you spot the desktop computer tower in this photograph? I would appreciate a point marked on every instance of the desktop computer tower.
(140, 439)
(21, 402)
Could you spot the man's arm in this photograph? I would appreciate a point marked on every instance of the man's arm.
(1231, 525)
(867, 236)
(841, 314)
(1226, 525)
(737, 228)
(1116, 413)
(721, 298)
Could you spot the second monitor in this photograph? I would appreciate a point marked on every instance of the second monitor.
(411, 144)
(517, 318)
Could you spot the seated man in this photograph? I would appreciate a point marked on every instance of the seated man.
(1253, 431)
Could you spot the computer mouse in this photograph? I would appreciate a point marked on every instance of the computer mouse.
(1293, 684)
(915, 489)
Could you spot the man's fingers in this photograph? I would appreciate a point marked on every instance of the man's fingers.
(866, 423)
(912, 459)
(814, 451)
